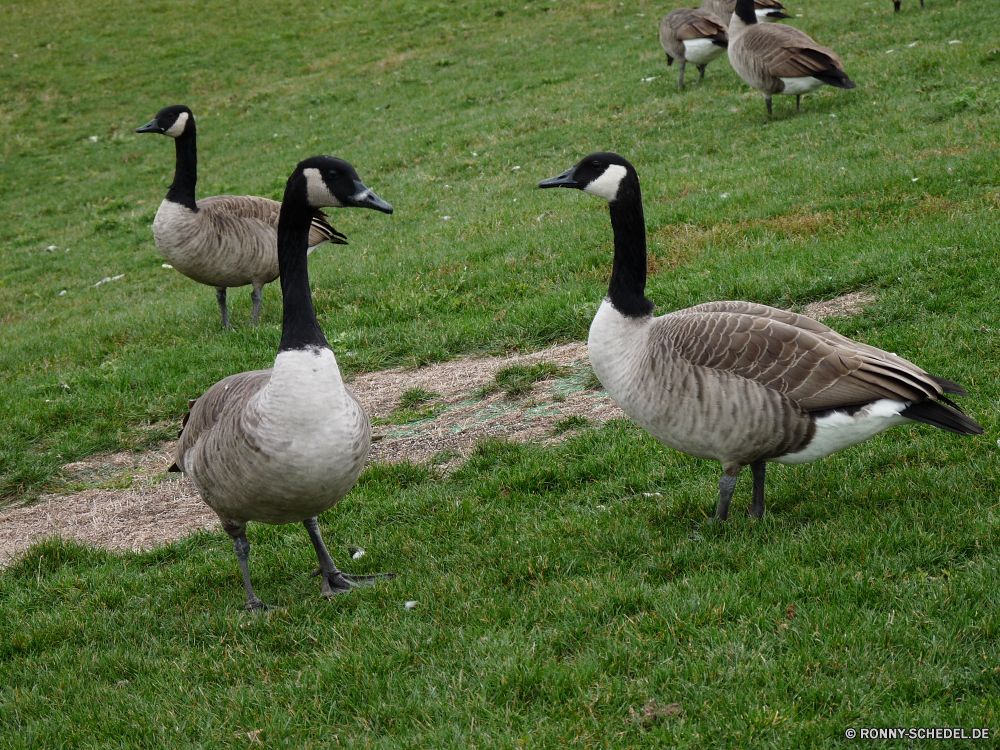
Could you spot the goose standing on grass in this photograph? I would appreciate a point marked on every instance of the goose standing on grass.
(768, 11)
(226, 240)
(283, 445)
(738, 382)
(777, 59)
(692, 35)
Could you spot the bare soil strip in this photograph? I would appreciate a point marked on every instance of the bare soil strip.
(131, 503)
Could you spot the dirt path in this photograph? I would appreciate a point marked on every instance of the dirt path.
(133, 504)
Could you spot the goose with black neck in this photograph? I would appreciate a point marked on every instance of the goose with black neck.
(225, 240)
(286, 444)
(777, 59)
(738, 382)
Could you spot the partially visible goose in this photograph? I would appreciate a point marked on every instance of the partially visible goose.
(738, 382)
(283, 445)
(692, 35)
(223, 241)
(895, 4)
(768, 11)
(777, 59)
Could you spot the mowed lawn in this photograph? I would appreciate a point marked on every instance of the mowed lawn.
(561, 589)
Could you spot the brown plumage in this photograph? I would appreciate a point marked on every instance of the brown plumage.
(285, 444)
(223, 241)
(777, 59)
(692, 35)
(739, 382)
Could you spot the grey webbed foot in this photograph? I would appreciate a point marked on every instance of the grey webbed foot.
(337, 582)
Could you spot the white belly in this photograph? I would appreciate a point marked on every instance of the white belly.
(804, 85)
(839, 430)
(701, 51)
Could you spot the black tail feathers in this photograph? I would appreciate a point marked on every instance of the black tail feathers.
(937, 414)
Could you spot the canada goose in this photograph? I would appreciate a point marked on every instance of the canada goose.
(222, 241)
(694, 35)
(895, 4)
(768, 11)
(738, 382)
(777, 59)
(283, 445)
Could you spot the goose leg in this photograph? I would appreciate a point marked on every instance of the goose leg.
(335, 582)
(727, 485)
(242, 548)
(256, 295)
(759, 468)
(220, 294)
(895, 4)
(680, 81)
(701, 72)
(767, 100)
(798, 98)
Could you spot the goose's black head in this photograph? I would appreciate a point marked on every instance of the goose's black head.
(328, 181)
(174, 121)
(605, 174)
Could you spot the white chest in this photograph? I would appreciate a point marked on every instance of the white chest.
(615, 346)
(305, 415)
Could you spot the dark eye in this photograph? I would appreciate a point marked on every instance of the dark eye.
(332, 172)
(595, 163)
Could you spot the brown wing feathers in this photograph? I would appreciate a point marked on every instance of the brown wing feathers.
(786, 52)
(816, 373)
(694, 24)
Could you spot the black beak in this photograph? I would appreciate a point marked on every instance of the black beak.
(564, 180)
(366, 198)
(778, 14)
(150, 127)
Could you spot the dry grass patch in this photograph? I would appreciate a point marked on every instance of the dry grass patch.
(843, 306)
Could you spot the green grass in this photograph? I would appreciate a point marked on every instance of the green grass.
(556, 589)
(569, 423)
(518, 380)
(413, 397)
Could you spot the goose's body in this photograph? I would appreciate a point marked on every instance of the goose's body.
(223, 241)
(777, 59)
(737, 382)
(286, 444)
(695, 36)
(768, 11)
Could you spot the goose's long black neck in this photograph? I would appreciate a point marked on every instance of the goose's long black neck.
(745, 11)
(628, 274)
(186, 170)
(299, 327)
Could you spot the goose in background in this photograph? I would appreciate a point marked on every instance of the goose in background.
(895, 4)
(226, 240)
(283, 445)
(768, 11)
(777, 59)
(738, 382)
(692, 36)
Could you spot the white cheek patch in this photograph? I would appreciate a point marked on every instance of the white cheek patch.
(319, 193)
(606, 186)
(178, 127)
